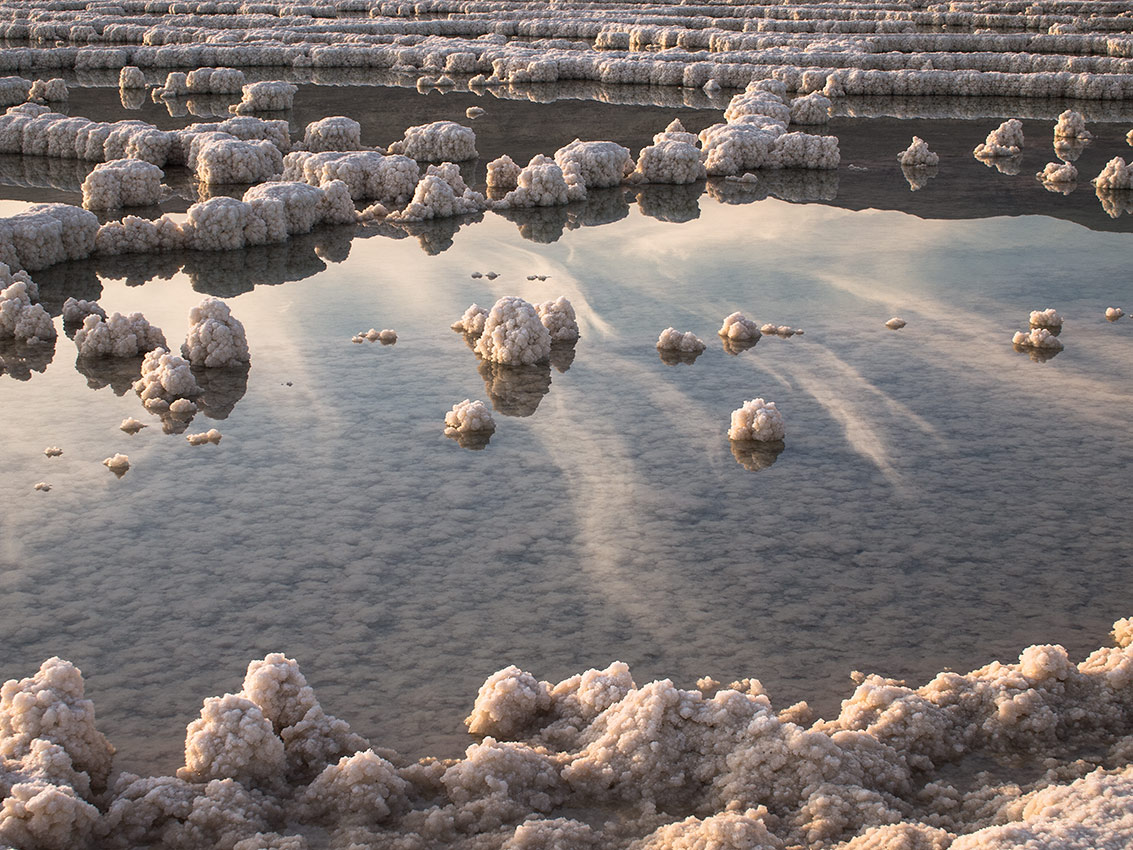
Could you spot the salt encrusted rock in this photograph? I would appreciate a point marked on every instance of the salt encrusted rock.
(1005, 140)
(599, 164)
(131, 425)
(441, 141)
(270, 96)
(503, 173)
(1037, 338)
(210, 436)
(1114, 313)
(20, 319)
(1047, 318)
(131, 77)
(737, 327)
(917, 155)
(509, 701)
(232, 740)
(1115, 175)
(1071, 125)
(165, 377)
(670, 161)
(362, 788)
(467, 416)
(216, 338)
(117, 336)
(473, 320)
(1058, 172)
(559, 319)
(896, 323)
(75, 310)
(673, 340)
(757, 420)
(513, 334)
(119, 464)
(542, 183)
(336, 133)
(813, 108)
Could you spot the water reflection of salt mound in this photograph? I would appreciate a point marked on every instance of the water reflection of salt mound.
(436, 235)
(738, 346)
(786, 184)
(221, 389)
(675, 203)
(118, 373)
(538, 224)
(515, 390)
(675, 357)
(18, 359)
(918, 176)
(562, 355)
(756, 454)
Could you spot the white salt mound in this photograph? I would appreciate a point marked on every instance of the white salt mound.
(53, 451)
(467, 416)
(739, 328)
(271, 96)
(1114, 313)
(474, 111)
(1037, 338)
(43, 485)
(117, 336)
(210, 436)
(75, 310)
(757, 420)
(473, 320)
(1047, 318)
(387, 336)
(440, 141)
(673, 340)
(20, 319)
(559, 319)
(1004, 140)
(917, 155)
(216, 338)
(131, 77)
(165, 378)
(895, 324)
(513, 334)
(1071, 125)
(131, 425)
(1115, 175)
(119, 463)
(1058, 172)
(336, 133)
(599, 164)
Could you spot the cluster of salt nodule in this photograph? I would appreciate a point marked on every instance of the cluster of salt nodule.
(165, 380)
(1038, 338)
(200, 81)
(543, 183)
(738, 328)
(896, 323)
(385, 337)
(917, 155)
(441, 193)
(46, 234)
(1071, 125)
(1058, 173)
(131, 77)
(210, 436)
(131, 425)
(440, 141)
(473, 320)
(268, 96)
(757, 420)
(122, 183)
(467, 416)
(117, 336)
(711, 767)
(48, 91)
(598, 164)
(513, 334)
(119, 464)
(52, 451)
(1047, 318)
(369, 175)
(686, 343)
(1006, 140)
(216, 338)
(21, 318)
(558, 318)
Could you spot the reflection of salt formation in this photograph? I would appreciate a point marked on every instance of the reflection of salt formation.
(434, 236)
(118, 373)
(20, 359)
(441, 141)
(918, 177)
(1005, 140)
(1040, 343)
(676, 204)
(122, 183)
(793, 185)
(117, 336)
(757, 420)
(756, 454)
(1012, 166)
(220, 389)
(599, 165)
(470, 423)
(562, 355)
(1115, 202)
(1047, 318)
(917, 155)
(539, 224)
(270, 96)
(513, 335)
(216, 338)
(1071, 125)
(1069, 150)
(515, 390)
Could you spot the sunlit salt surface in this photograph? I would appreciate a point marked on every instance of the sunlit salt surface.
(942, 500)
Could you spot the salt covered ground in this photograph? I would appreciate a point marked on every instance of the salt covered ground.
(939, 499)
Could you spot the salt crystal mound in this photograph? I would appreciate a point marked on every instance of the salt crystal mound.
(216, 338)
(738, 328)
(1115, 175)
(117, 336)
(1114, 313)
(441, 193)
(896, 323)
(75, 310)
(270, 96)
(673, 340)
(732, 149)
(917, 155)
(336, 133)
(1004, 141)
(165, 379)
(558, 318)
(513, 335)
(48, 91)
(122, 183)
(131, 77)
(1039, 338)
(1071, 125)
(670, 161)
(503, 173)
(813, 108)
(46, 234)
(1047, 318)
(542, 183)
(467, 416)
(220, 158)
(440, 141)
(13, 90)
(599, 164)
(20, 319)
(757, 420)
(1059, 173)
(473, 320)
(369, 175)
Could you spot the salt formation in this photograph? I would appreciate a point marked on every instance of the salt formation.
(386, 337)
(367, 174)
(895, 324)
(48, 91)
(558, 318)
(131, 77)
(117, 336)
(131, 425)
(221, 158)
(1115, 175)
(1036, 338)
(473, 320)
(468, 416)
(474, 111)
(46, 234)
(542, 183)
(1114, 313)
(673, 340)
(336, 133)
(503, 173)
(1047, 318)
(917, 155)
(813, 108)
(441, 141)
(53, 451)
(441, 193)
(1058, 172)
(757, 420)
(43, 485)
(216, 338)
(1071, 125)
(20, 319)
(122, 183)
(513, 334)
(670, 161)
(165, 378)
(599, 164)
(119, 464)
(273, 96)
(738, 328)
(1004, 141)
(75, 310)
(210, 436)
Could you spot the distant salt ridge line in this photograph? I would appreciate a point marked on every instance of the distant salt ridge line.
(1031, 51)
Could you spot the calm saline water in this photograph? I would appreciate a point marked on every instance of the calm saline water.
(942, 499)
